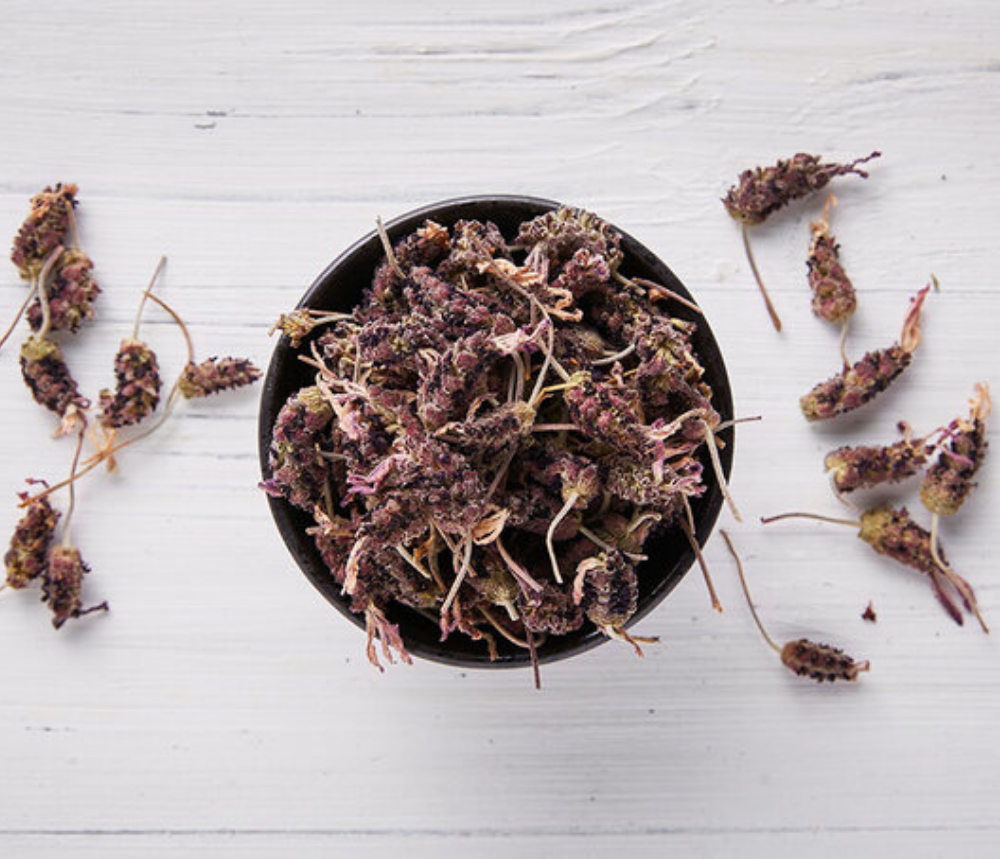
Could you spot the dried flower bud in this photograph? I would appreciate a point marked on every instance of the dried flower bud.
(72, 291)
(44, 229)
(27, 556)
(137, 386)
(215, 375)
(63, 583)
(834, 298)
(949, 481)
(49, 379)
(821, 661)
(866, 466)
(764, 190)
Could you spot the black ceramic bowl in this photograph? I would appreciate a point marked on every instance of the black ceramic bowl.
(340, 288)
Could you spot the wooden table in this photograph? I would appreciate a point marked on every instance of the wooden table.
(222, 706)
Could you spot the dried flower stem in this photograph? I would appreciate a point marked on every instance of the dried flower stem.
(853, 523)
(746, 592)
(499, 627)
(775, 319)
(550, 534)
(607, 547)
(534, 657)
(177, 319)
(146, 294)
(459, 576)
(43, 296)
(20, 312)
(387, 245)
(658, 291)
(617, 356)
(71, 507)
(687, 526)
(520, 573)
(713, 453)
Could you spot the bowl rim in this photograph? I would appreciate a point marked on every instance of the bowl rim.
(284, 514)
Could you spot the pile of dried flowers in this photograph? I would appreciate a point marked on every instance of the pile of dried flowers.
(495, 431)
(61, 298)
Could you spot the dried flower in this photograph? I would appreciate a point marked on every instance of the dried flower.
(44, 229)
(50, 381)
(869, 613)
(948, 481)
(63, 584)
(804, 657)
(26, 558)
(764, 190)
(893, 533)
(834, 298)
(866, 466)
(137, 386)
(71, 294)
(215, 375)
(876, 371)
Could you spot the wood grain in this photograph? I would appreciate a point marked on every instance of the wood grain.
(222, 706)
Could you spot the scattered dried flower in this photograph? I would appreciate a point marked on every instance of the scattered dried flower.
(215, 375)
(27, 556)
(803, 657)
(764, 190)
(893, 533)
(874, 373)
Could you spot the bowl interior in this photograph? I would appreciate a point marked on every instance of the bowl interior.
(340, 287)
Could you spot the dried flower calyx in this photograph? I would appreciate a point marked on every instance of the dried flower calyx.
(495, 430)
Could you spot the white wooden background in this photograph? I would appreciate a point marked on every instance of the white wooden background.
(222, 705)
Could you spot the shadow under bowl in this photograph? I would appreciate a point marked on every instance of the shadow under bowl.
(340, 287)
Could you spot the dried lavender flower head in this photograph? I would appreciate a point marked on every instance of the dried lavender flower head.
(949, 481)
(44, 228)
(72, 291)
(215, 375)
(27, 556)
(63, 583)
(137, 386)
(764, 190)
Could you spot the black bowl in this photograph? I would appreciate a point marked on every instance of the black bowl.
(340, 287)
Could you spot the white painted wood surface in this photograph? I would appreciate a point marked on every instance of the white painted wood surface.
(222, 706)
